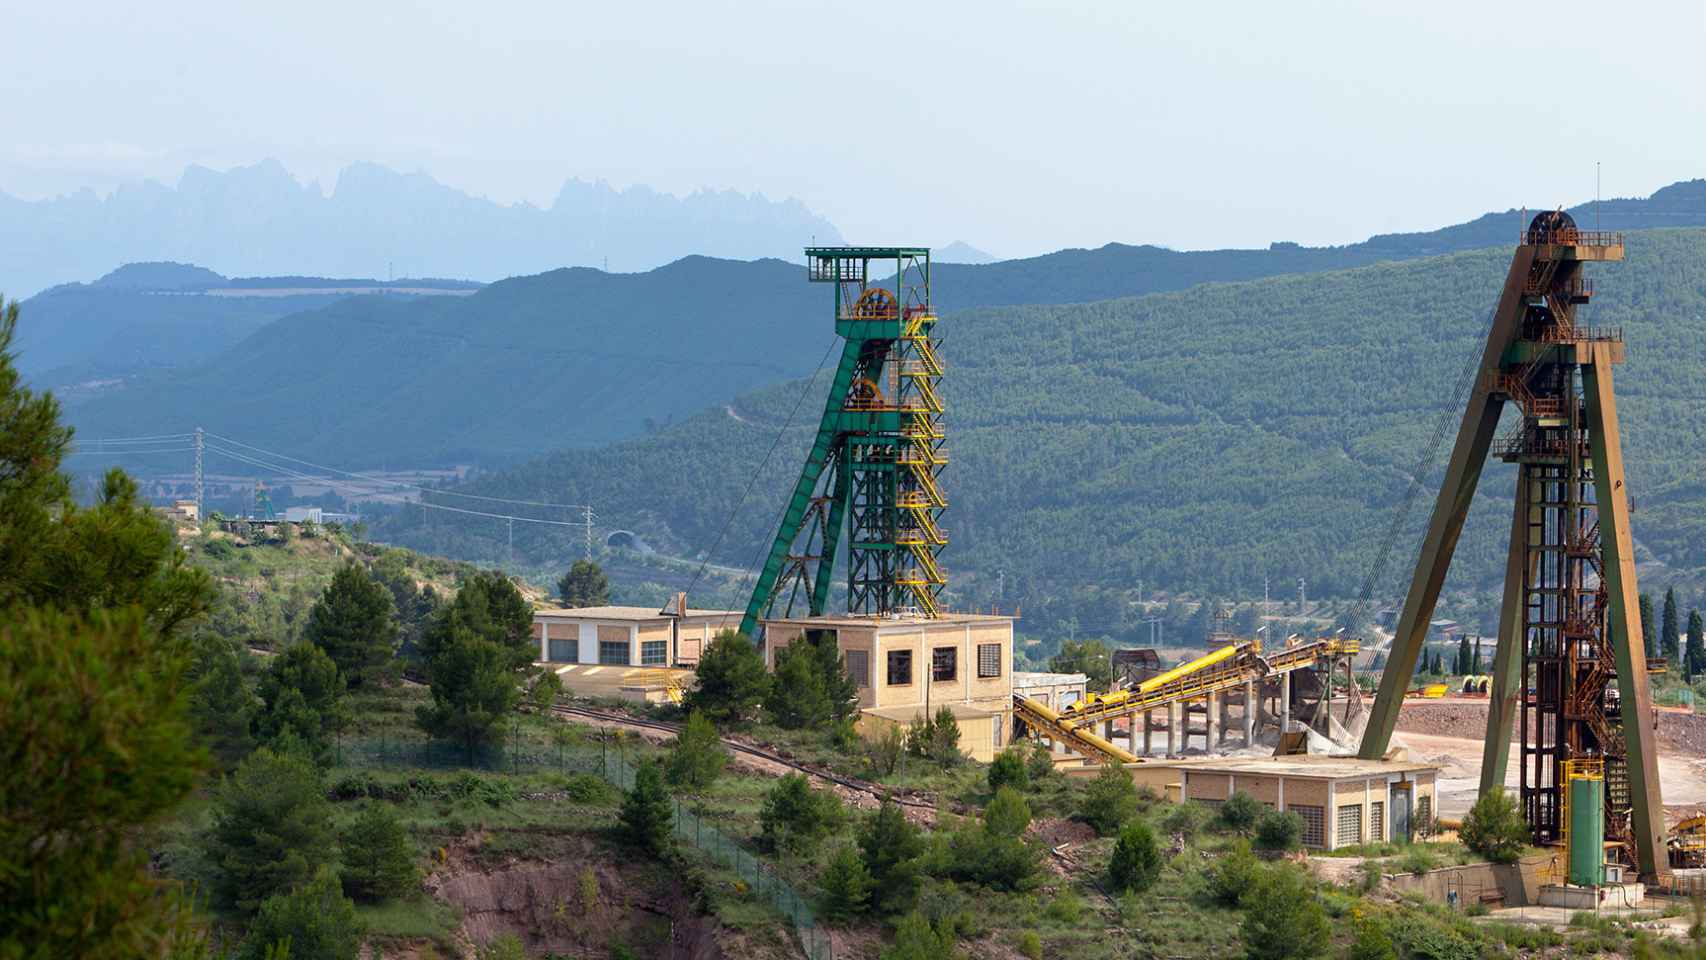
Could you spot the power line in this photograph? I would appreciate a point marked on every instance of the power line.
(397, 483)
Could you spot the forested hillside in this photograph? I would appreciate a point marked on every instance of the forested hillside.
(1196, 440)
(581, 357)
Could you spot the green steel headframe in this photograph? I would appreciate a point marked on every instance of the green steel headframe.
(872, 468)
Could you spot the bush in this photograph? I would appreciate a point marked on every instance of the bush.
(1283, 920)
(796, 817)
(698, 757)
(1109, 800)
(995, 853)
(916, 939)
(1278, 832)
(1066, 908)
(846, 886)
(936, 739)
(1232, 876)
(1136, 862)
(647, 813)
(1495, 828)
(378, 863)
(1418, 860)
(1240, 812)
(1185, 819)
(1040, 763)
(1008, 770)
(884, 750)
(731, 680)
(316, 921)
(1371, 942)
(591, 789)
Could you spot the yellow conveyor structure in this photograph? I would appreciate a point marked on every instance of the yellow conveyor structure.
(1227, 668)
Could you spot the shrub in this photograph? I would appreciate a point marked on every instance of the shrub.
(1030, 945)
(378, 863)
(1109, 800)
(1136, 862)
(1232, 876)
(1040, 763)
(589, 788)
(1495, 828)
(1185, 819)
(846, 886)
(698, 757)
(883, 751)
(1371, 942)
(1008, 770)
(1066, 908)
(1240, 812)
(1283, 920)
(647, 813)
(795, 817)
(936, 739)
(505, 946)
(315, 920)
(1418, 860)
(916, 939)
(995, 853)
(1278, 832)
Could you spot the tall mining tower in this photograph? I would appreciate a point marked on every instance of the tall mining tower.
(1571, 655)
(875, 463)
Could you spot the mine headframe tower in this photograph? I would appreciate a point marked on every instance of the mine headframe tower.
(875, 464)
(1570, 646)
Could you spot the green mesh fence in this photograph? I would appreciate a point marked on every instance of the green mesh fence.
(759, 877)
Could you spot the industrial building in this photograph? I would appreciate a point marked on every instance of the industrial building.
(908, 667)
(627, 636)
(1342, 801)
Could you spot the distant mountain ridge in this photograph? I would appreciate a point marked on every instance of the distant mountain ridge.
(260, 219)
(580, 357)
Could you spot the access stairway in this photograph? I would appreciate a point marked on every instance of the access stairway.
(1228, 668)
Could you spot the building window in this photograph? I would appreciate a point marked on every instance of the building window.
(1314, 824)
(900, 668)
(613, 652)
(1349, 825)
(654, 653)
(1377, 821)
(944, 664)
(1424, 815)
(995, 732)
(989, 660)
(565, 651)
(859, 667)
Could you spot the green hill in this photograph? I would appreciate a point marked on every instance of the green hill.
(579, 357)
(1196, 440)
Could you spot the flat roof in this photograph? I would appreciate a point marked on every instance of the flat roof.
(1031, 678)
(625, 613)
(962, 711)
(884, 623)
(1303, 765)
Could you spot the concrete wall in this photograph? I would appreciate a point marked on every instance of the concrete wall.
(1519, 883)
(977, 735)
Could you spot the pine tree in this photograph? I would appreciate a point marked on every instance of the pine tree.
(890, 847)
(1137, 858)
(584, 585)
(698, 757)
(378, 863)
(272, 828)
(1283, 918)
(846, 886)
(312, 922)
(1695, 659)
(647, 813)
(221, 703)
(303, 693)
(732, 681)
(1649, 635)
(355, 622)
(1670, 632)
(473, 686)
(489, 607)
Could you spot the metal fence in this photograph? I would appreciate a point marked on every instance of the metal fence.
(606, 760)
(758, 875)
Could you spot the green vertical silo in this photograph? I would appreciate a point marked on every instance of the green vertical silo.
(1587, 830)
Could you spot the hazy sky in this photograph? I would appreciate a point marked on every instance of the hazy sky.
(1019, 127)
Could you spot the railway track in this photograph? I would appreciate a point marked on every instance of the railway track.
(597, 716)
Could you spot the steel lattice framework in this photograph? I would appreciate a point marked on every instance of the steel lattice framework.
(875, 464)
(1570, 645)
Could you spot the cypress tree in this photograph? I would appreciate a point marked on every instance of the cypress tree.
(1672, 637)
(1649, 635)
(1695, 661)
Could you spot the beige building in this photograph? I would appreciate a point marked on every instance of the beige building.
(627, 636)
(1343, 801)
(912, 667)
